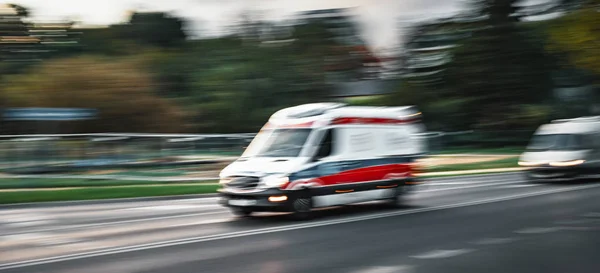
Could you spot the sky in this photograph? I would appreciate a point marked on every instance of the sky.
(379, 19)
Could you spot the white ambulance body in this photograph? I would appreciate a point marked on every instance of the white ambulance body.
(326, 154)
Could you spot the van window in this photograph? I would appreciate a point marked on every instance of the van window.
(326, 146)
(558, 142)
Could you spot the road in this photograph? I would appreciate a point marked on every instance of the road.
(491, 223)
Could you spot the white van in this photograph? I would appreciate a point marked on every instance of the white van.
(564, 150)
(325, 154)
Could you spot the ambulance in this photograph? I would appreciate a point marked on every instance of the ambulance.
(325, 155)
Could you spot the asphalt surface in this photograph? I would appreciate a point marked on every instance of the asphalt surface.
(491, 223)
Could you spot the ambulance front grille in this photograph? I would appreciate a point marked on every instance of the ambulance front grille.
(244, 182)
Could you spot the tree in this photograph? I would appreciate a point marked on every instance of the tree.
(498, 12)
(577, 35)
(20, 10)
(121, 92)
(235, 87)
(154, 29)
(20, 48)
(499, 69)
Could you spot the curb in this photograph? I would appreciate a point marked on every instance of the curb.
(474, 155)
(105, 201)
(472, 175)
(468, 172)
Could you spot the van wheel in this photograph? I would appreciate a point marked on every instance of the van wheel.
(302, 207)
(241, 212)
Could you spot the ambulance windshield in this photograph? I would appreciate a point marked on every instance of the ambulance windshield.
(278, 143)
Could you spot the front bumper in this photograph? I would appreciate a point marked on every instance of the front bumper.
(556, 173)
(258, 200)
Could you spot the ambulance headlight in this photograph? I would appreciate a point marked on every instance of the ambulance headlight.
(273, 181)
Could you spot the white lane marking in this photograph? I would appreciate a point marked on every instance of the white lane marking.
(28, 223)
(575, 222)
(27, 220)
(26, 217)
(591, 215)
(579, 228)
(121, 222)
(537, 230)
(173, 207)
(58, 241)
(450, 183)
(252, 232)
(495, 241)
(521, 186)
(387, 269)
(41, 239)
(197, 200)
(204, 222)
(27, 236)
(468, 187)
(441, 254)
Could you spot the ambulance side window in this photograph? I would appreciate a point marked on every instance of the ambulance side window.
(326, 146)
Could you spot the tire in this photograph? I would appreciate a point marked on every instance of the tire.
(302, 207)
(529, 180)
(398, 200)
(241, 212)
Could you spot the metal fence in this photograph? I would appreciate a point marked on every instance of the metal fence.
(44, 153)
(97, 150)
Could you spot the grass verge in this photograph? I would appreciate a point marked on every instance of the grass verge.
(15, 197)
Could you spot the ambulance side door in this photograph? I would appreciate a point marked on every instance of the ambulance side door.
(329, 170)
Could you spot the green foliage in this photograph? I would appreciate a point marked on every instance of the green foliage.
(240, 94)
(578, 36)
(499, 11)
(155, 29)
(120, 90)
(21, 10)
(499, 68)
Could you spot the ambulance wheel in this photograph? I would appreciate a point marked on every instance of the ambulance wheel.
(398, 200)
(302, 207)
(241, 212)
